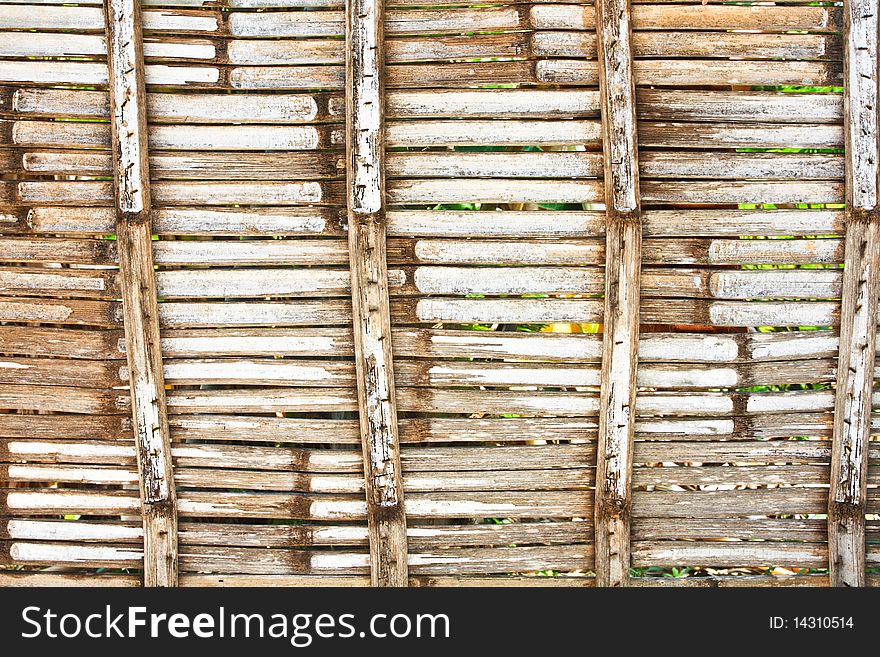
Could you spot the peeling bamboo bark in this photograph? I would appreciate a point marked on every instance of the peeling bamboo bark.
(139, 306)
(622, 279)
(858, 326)
(369, 292)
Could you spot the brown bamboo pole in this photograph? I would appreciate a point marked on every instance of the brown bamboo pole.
(371, 316)
(858, 313)
(138, 283)
(623, 248)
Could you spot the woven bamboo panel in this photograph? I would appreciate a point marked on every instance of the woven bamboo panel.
(492, 187)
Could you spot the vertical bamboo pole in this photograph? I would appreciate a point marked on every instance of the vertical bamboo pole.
(139, 303)
(622, 278)
(369, 292)
(858, 313)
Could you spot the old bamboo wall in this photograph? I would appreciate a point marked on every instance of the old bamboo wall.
(298, 292)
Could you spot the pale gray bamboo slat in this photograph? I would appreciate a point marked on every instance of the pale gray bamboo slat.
(716, 73)
(337, 311)
(427, 192)
(454, 20)
(539, 165)
(256, 430)
(550, 44)
(290, 221)
(656, 105)
(283, 536)
(268, 505)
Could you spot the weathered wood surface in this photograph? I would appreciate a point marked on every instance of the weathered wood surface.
(139, 305)
(861, 282)
(270, 320)
(371, 317)
(623, 253)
